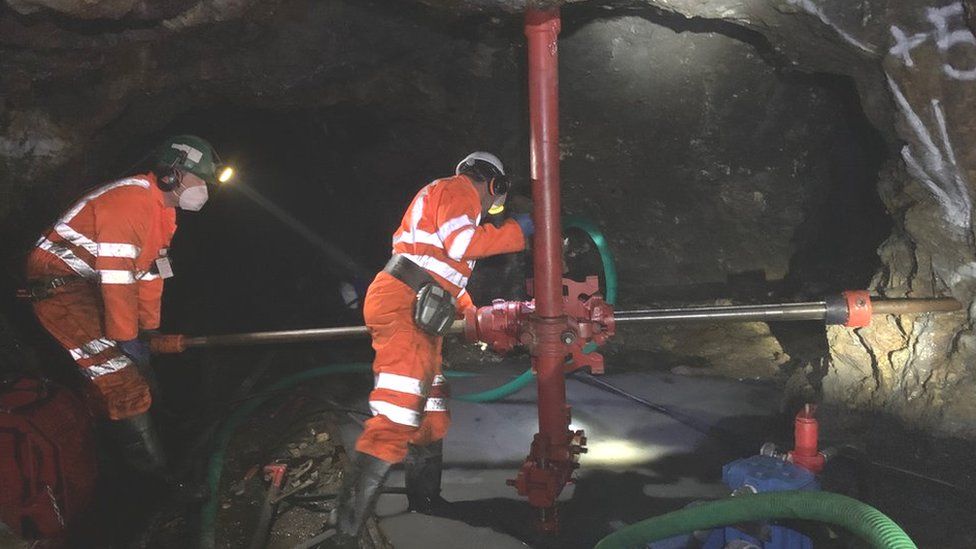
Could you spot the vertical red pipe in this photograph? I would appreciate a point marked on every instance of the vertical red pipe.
(542, 31)
(805, 433)
(806, 452)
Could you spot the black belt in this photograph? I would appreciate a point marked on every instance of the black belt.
(408, 272)
(42, 288)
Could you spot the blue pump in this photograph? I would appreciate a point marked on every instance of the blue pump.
(762, 474)
(755, 474)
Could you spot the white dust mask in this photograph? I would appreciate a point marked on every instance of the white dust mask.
(193, 198)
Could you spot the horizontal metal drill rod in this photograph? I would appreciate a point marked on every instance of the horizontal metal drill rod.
(814, 310)
(792, 311)
(512, 322)
(909, 306)
(290, 336)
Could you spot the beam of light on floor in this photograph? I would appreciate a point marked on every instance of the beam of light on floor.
(345, 264)
(617, 452)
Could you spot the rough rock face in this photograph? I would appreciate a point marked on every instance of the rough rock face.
(170, 14)
(686, 146)
(73, 92)
(915, 63)
(71, 98)
(922, 369)
(743, 350)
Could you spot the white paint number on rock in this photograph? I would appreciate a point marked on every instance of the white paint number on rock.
(948, 31)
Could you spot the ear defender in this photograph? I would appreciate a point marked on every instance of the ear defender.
(499, 184)
(486, 167)
(168, 178)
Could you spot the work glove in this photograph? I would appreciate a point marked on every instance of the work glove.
(525, 222)
(136, 349)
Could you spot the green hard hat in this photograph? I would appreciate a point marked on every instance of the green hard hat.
(189, 153)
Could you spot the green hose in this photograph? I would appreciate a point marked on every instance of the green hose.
(215, 465)
(861, 519)
(501, 391)
(610, 278)
(606, 256)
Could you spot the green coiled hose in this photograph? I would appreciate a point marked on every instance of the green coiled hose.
(861, 519)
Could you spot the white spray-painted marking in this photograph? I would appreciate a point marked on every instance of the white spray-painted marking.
(945, 39)
(810, 7)
(905, 44)
(948, 31)
(936, 168)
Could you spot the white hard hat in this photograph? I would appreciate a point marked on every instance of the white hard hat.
(483, 156)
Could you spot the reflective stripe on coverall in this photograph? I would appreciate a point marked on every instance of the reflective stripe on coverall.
(109, 239)
(439, 232)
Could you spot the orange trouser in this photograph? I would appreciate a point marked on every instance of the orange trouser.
(73, 315)
(409, 398)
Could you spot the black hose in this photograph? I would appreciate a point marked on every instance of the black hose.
(724, 436)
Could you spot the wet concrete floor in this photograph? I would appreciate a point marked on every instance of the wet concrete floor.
(640, 462)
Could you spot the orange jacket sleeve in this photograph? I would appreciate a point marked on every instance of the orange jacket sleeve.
(458, 212)
(464, 301)
(122, 220)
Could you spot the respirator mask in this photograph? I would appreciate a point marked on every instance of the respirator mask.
(193, 198)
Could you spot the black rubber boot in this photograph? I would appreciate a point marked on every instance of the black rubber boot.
(357, 499)
(142, 452)
(137, 440)
(422, 469)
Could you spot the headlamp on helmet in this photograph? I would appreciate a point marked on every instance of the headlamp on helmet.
(192, 154)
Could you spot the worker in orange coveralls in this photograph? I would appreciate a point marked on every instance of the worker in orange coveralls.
(407, 308)
(96, 281)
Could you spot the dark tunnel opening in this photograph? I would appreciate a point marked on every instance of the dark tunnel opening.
(247, 266)
(342, 174)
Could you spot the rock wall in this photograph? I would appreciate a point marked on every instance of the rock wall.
(922, 369)
(915, 64)
(697, 154)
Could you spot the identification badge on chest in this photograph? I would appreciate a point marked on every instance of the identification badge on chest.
(164, 267)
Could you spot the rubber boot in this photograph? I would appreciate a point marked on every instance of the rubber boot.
(137, 440)
(143, 452)
(422, 468)
(357, 498)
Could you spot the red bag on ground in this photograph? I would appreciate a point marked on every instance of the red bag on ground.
(47, 458)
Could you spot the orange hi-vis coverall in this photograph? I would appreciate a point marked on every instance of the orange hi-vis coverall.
(441, 233)
(107, 243)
